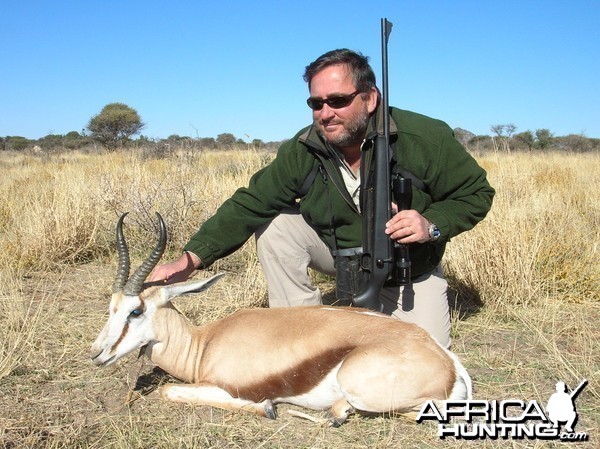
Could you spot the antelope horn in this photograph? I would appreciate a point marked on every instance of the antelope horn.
(124, 263)
(135, 283)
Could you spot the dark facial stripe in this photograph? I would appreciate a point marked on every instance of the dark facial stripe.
(121, 337)
(297, 380)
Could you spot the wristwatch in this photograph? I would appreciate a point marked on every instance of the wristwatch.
(434, 232)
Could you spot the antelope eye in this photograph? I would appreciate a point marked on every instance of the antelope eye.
(136, 313)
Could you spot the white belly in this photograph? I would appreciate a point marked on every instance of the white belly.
(321, 397)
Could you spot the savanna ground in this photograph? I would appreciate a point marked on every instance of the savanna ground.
(525, 296)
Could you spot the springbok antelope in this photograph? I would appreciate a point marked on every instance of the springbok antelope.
(341, 359)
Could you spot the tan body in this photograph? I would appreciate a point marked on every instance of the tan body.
(343, 359)
(315, 357)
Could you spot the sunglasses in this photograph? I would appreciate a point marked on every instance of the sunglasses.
(337, 102)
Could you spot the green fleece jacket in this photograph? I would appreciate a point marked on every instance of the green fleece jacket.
(451, 190)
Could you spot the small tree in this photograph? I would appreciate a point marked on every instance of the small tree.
(510, 129)
(543, 138)
(16, 143)
(115, 124)
(577, 143)
(498, 130)
(501, 140)
(226, 140)
(74, 140)
(257, 143)
(526, 138)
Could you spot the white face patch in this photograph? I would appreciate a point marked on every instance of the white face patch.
(128, 327)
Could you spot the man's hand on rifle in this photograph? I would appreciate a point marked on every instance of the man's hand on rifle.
(407, 226)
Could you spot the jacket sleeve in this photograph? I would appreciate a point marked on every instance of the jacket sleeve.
(270, 190)
(460, 192)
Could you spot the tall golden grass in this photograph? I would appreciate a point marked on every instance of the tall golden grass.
(526, 277)
(60, 212)
(541, 237)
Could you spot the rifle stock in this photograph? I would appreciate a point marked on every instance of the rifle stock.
(377, 258)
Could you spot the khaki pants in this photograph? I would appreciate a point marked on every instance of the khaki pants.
(288, 246)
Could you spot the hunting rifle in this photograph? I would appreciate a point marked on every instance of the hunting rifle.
(381, 259)
(577, 390)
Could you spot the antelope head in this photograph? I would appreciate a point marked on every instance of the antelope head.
(134, 304)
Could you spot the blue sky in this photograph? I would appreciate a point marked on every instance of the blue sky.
(202, 68)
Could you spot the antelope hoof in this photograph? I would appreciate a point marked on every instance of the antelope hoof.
(339, 413)
(337, 421)
(270, 411)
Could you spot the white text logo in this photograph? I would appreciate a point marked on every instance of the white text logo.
(508, 419)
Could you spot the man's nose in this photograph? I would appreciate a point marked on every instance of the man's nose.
(326, 112)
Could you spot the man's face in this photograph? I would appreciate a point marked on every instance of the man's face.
(343, 127)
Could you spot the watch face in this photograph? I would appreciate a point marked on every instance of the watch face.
(434, 232)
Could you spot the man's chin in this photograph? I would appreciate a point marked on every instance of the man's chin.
(333, 137)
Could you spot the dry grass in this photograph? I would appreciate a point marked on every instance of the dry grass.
(525, 282)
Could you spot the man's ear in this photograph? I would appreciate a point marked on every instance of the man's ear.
(372, 99)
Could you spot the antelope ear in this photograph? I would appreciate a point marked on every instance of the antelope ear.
(169, 292)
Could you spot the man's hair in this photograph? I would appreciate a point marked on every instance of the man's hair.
(362, 73)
